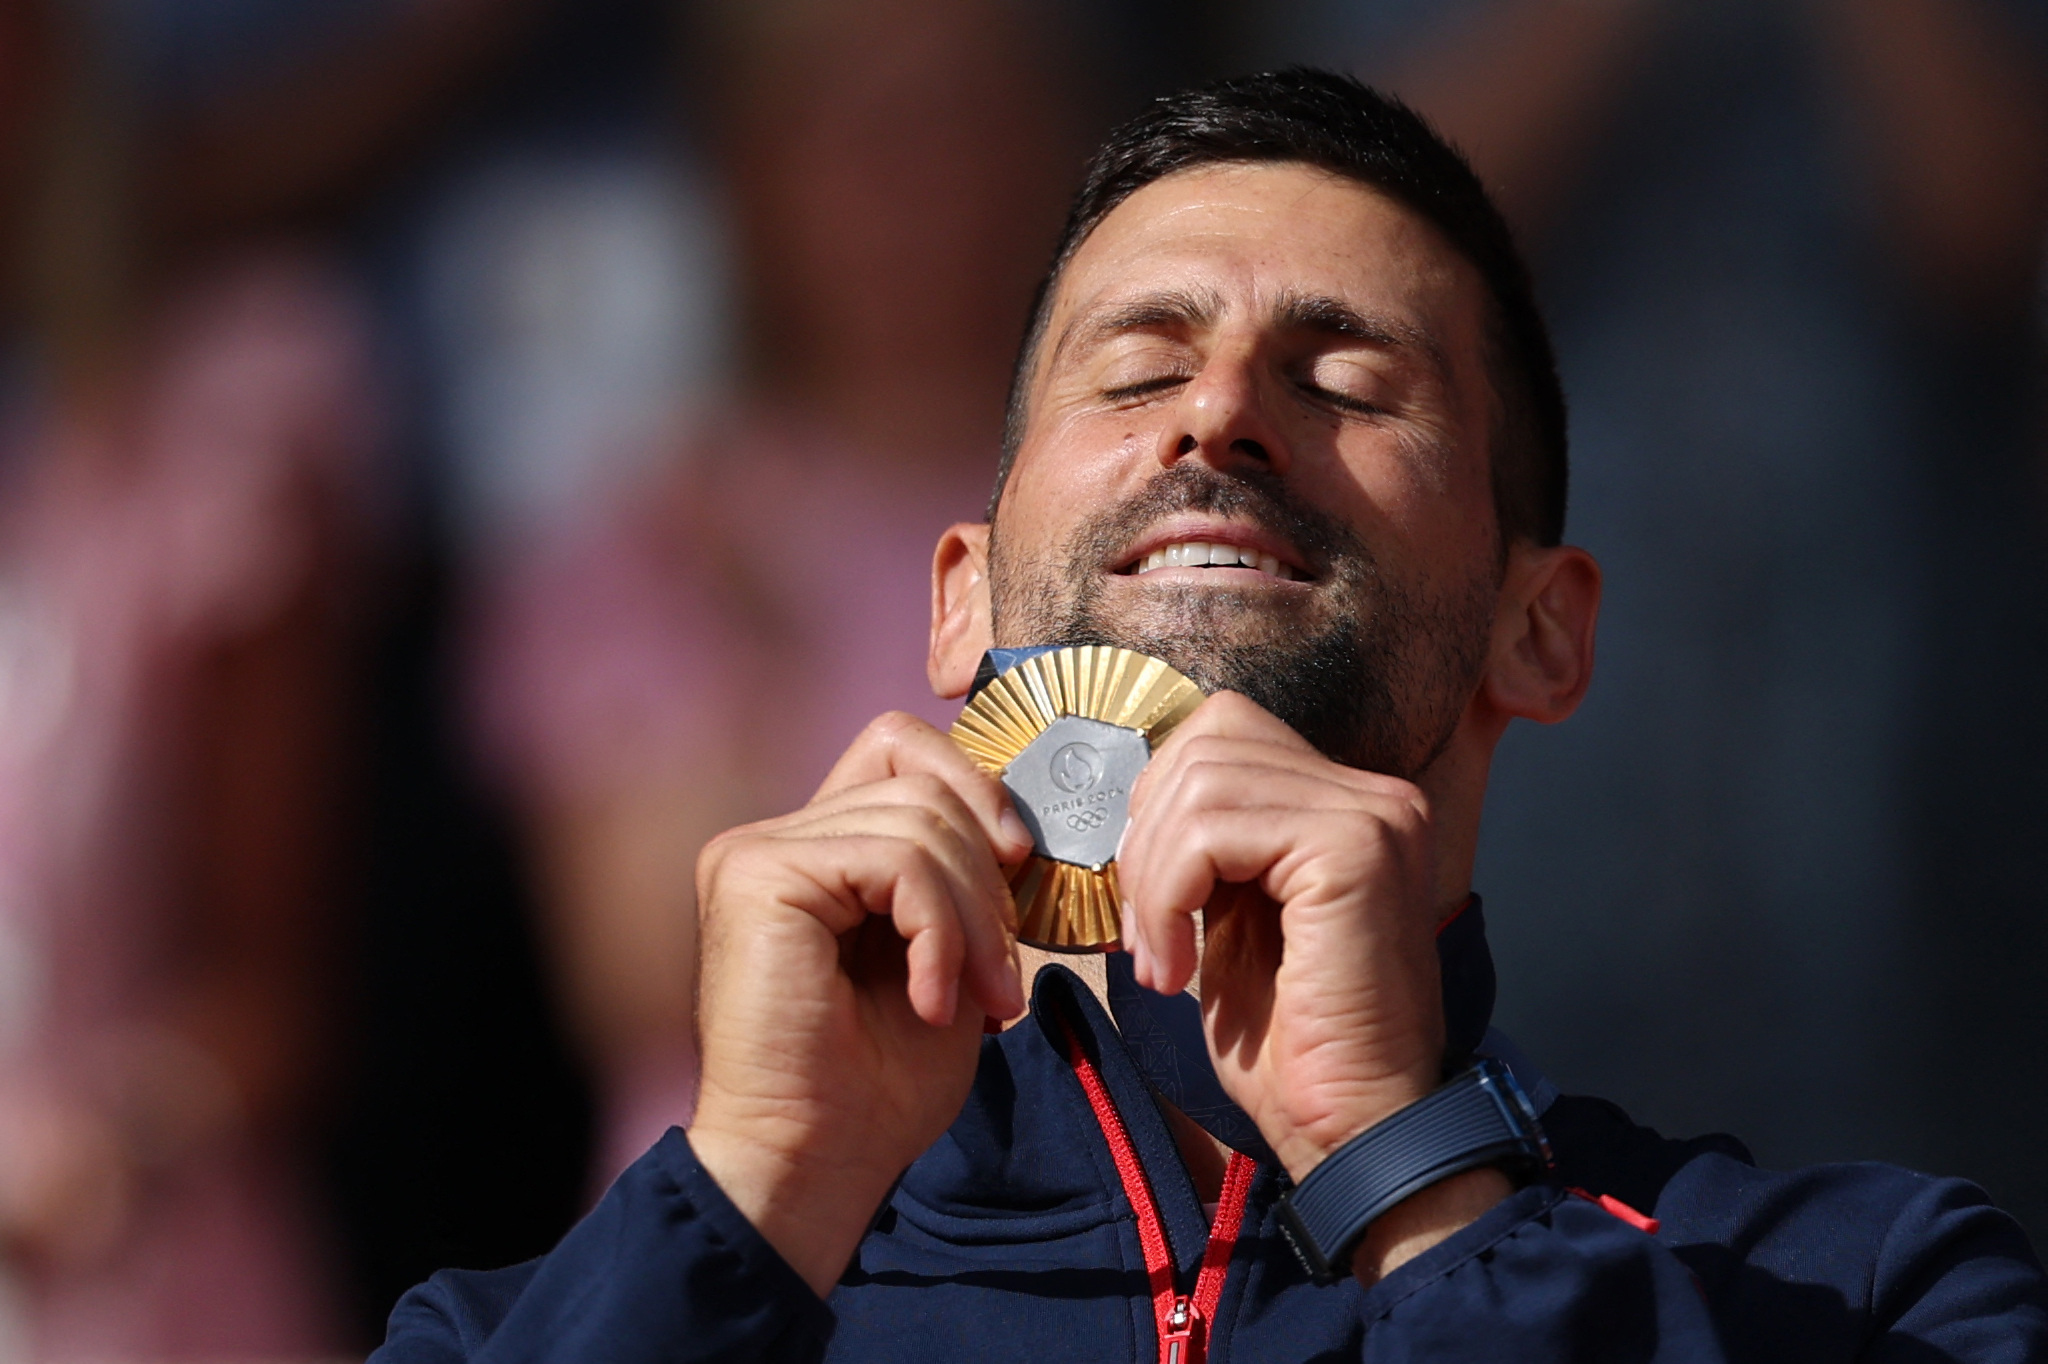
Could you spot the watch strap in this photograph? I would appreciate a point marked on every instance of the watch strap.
(1479, 1118)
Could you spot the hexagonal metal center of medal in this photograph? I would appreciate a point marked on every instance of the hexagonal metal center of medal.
(1072, 785)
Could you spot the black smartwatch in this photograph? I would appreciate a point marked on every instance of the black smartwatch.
(1482, 1117)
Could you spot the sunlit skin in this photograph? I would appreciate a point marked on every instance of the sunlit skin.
(1268, 318)
(1270, 262)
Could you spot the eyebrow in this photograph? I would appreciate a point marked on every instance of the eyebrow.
(1334, 317)
(1198, 309)
(1169, 308)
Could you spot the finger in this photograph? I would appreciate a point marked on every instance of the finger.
(857, 874)
(987, 916)
(1237, 768)
(915, 806)
(899, 744)
(953, 937)
(924, 809)
(1205, 858)
(924, 813)
(928, 917)
(1298, 834)
(1226, 772)
(1261, 751)
(1229, 714)
(1221, 731)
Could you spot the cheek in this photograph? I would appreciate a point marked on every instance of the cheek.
(1426, 487)
(1071, 469)
(1422, 529)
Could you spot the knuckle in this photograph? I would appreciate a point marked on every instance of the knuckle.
(1369, 828)
(1393, 788)
(1207, 777)
(716, 853)
(1204, 779)
(1411, 816)
(717, 847)
(732, 855)
(1230, 703)
(893, 726)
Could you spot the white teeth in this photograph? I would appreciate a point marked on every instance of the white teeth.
(1203, 553)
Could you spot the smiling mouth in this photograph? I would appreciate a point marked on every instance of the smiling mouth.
(1205, 554)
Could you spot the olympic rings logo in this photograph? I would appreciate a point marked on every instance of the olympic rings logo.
(1082, 821)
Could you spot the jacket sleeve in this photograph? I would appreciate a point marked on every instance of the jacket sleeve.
(1542, 1277)
(1957, 1280)
(663, 1269)
(1549, 1277)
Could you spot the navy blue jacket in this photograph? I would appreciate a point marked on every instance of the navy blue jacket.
(1012, 1239)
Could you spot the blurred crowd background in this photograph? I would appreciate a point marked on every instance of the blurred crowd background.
(455, 455)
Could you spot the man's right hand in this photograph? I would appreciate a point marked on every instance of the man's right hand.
(838, 943)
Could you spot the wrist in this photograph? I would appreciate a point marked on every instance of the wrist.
(1426, 1217)
(1305, 1145)
(1397, 1188)
(813, 1212)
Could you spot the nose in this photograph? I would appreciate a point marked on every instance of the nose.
(1221, 418)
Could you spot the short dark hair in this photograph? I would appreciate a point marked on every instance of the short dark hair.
(1339, 124)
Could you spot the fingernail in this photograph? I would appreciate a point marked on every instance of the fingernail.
(1014, 826)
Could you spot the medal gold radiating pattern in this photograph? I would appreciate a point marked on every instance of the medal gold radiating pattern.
(1067, 731)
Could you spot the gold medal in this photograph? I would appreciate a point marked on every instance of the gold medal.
(1068, 731)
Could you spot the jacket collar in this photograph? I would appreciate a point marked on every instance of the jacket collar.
(1025, 1160)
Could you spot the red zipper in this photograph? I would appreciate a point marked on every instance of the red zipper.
(1183, 1319)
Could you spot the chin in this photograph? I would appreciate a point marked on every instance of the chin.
(1208, 615)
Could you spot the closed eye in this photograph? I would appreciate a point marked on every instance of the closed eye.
(1343, 402)
(1143, 388)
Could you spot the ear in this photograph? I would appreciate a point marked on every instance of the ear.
(960, 608)
(1542, 654)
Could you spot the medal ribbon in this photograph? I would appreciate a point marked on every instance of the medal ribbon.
(1183, 1320)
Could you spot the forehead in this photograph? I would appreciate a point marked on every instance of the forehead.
(1251, 235)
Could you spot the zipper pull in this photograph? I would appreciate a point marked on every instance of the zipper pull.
(1181, 1341)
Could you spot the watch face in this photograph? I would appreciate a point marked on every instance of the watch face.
(1068, 731)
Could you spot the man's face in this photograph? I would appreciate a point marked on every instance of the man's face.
(1284, 371)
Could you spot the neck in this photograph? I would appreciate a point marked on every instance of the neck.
(1456, 786)
(1091, 967)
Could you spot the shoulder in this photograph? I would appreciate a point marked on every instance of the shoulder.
(1710, 1188)
(1871, 1243)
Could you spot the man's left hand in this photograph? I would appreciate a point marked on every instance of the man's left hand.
(1320, 985)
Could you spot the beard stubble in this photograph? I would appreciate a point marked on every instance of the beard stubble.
(1374, 672)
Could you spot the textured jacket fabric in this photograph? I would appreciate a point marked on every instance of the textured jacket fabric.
(1012, 1239)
